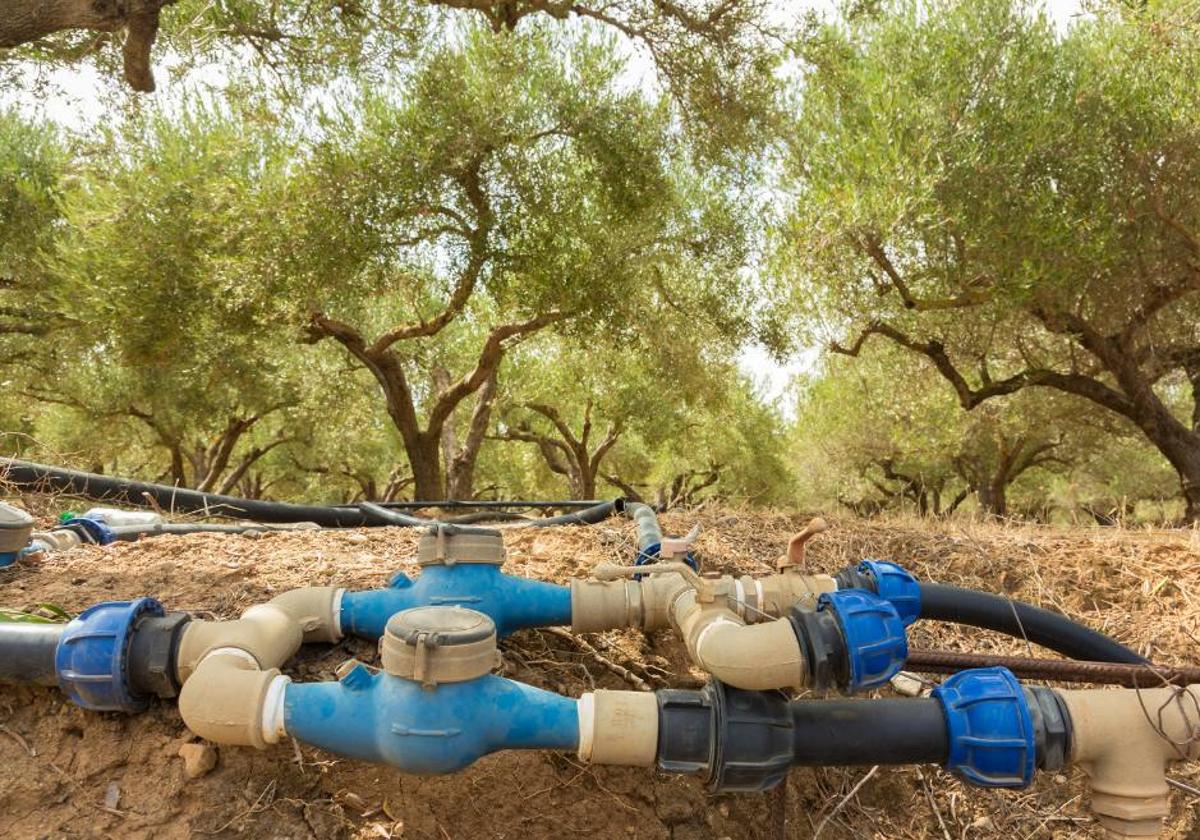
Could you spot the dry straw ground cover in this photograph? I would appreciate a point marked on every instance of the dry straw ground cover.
(68, 773)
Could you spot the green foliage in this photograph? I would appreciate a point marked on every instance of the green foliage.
(197, 240)
(278, 287)
(1017, 206)
(578, 195)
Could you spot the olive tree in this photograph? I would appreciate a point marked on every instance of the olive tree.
(1019, 208)
(497, 193)
(153, 270)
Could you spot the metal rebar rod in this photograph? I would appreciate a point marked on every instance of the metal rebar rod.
(1061, 670)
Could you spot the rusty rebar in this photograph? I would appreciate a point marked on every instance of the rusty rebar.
(1057, 670)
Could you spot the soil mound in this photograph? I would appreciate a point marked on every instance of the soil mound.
(66, 773)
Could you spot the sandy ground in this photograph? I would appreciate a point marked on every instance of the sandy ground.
(69, 773)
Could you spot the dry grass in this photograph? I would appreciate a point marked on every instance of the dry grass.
(1140, 586)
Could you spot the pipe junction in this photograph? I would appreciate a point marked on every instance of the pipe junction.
(435, 706)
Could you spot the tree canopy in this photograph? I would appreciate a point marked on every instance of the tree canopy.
(1016, 207)
(458, 249)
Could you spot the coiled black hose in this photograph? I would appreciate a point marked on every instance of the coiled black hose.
(1024, 621)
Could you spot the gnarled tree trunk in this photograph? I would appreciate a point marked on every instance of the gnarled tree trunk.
(23, 21)
(568, 454)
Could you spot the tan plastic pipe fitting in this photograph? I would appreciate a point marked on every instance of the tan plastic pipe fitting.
(232, 688)
(618, 727)
(1124, 740)
(598, 605)
(780, 592)
(227, 699)
(750, 656)
(270, 632)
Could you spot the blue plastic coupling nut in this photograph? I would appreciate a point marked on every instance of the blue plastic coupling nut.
(991, 734)
(92, 659)
(896, 585)
(876, 645)
(91, 530)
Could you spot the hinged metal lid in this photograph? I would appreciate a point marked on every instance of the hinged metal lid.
(437, 644)
(448, 544)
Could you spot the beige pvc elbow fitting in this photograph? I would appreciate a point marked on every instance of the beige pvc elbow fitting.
(228, 698)
(756, 657)
(232, 689)
(270, 632)
(1124, 740)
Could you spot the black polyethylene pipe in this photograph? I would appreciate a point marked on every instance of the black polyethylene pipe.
(37, 477)
(383, 516)
(587, 516)
(833, 733)
(40, 477)
(450, 504)
(27, 652)
(1024, 621)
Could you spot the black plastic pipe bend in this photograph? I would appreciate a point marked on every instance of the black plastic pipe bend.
(939, 602)
(1024, 621)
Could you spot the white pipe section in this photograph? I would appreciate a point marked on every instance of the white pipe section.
(273, 714)
(586, 709)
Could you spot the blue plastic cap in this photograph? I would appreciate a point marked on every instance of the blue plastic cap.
(989, 727)
(92, 655)
(93, 530)
(896, 585)
(7, 558)
(876, 645)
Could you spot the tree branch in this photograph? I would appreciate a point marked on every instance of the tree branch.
(551, 414)
(874, 249)
(969, 397)
(610, 440)
(498, 341)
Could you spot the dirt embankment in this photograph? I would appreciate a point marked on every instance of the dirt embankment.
(69, 773)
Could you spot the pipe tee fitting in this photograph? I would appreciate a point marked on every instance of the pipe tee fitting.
(1124, 740)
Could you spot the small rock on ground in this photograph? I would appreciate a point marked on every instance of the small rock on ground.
(198, 759)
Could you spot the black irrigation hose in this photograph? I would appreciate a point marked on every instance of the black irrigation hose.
(382, 516)
(587, 516)
(1024, 621)
(492, 503)
(42, 478)
(39, 477)
(27, 652)
(487, 516)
